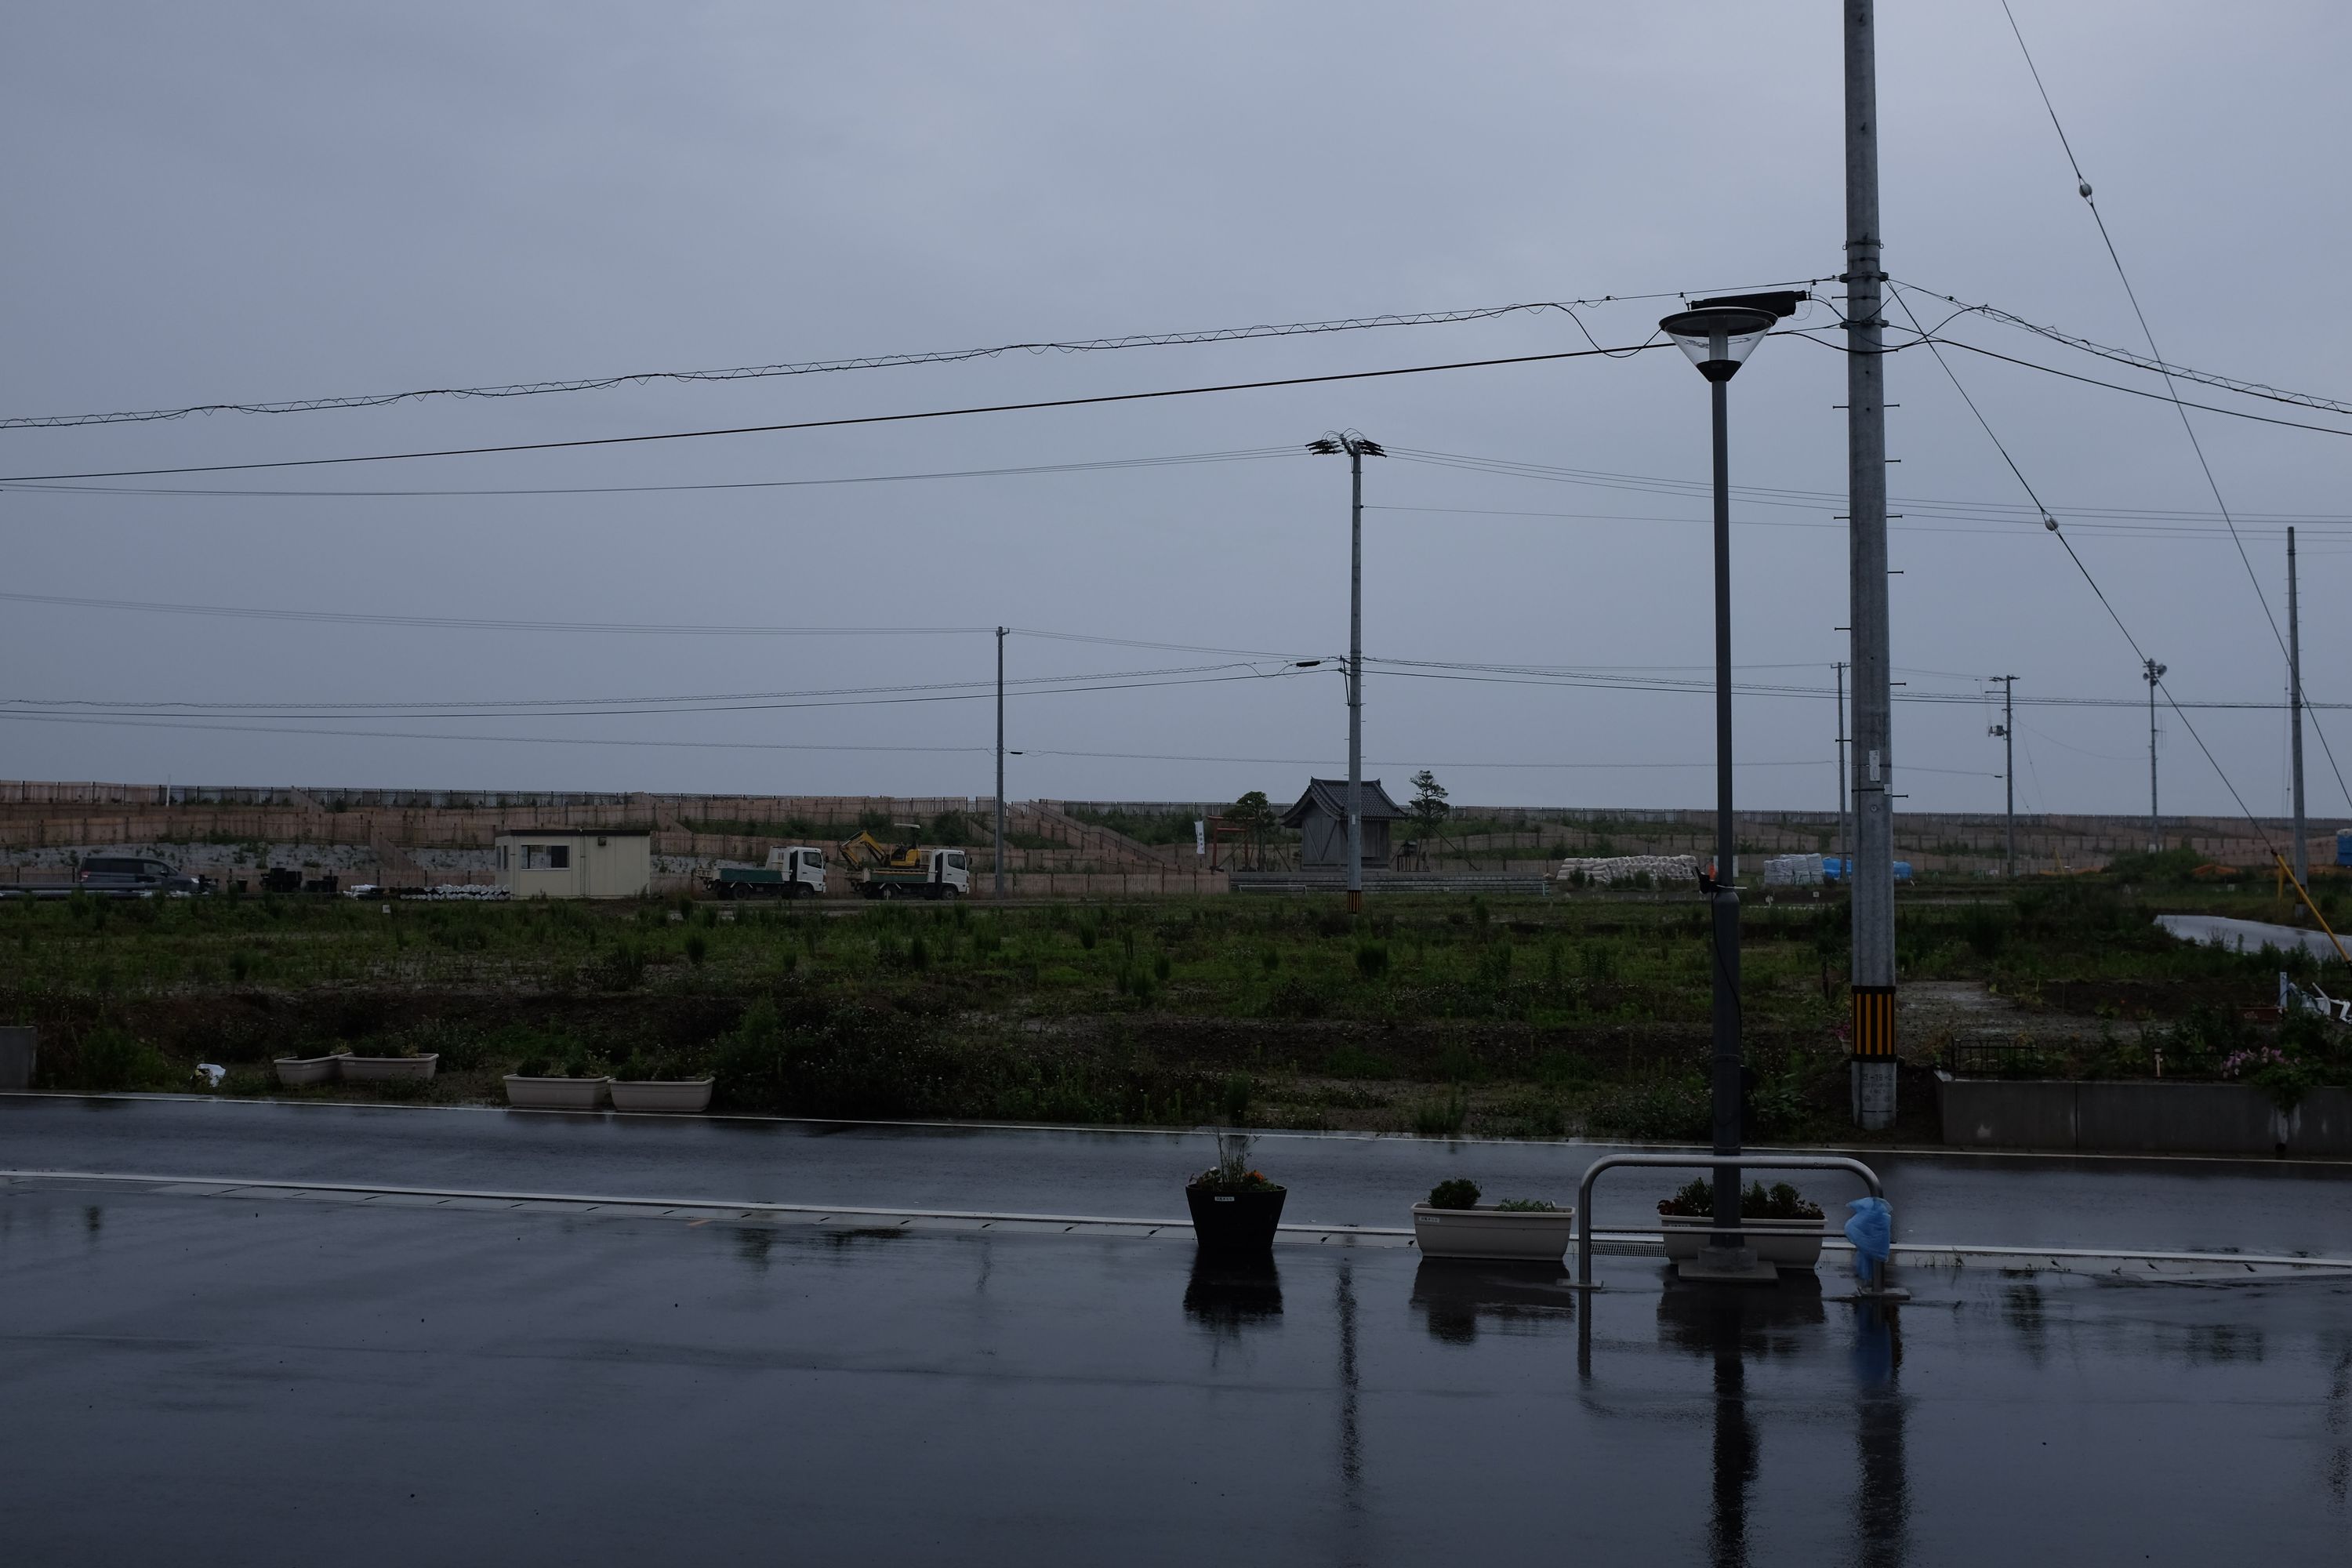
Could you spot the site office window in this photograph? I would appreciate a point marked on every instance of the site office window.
(547, 857)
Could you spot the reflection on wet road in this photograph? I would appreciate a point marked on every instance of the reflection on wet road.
(1958, 1199)
(238, 1380)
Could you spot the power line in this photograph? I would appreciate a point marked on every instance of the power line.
(2187, 533)
(867, 362)
(1512, 676)
(2188, 428)
(183, 492)
(1607, 676)
(1807, 501)
(585, 710)
(134, 723)
(626, 628)
(2130, 390)
(834, 424)
(2132, 294)
(484, 623)
(2137, 360)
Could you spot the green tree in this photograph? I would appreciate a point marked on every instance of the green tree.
(1429, 808)
(1254, 815)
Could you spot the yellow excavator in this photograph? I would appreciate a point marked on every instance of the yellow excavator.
(905, 870)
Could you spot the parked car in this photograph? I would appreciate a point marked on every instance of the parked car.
(133, 876)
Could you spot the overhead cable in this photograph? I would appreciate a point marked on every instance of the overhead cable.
(340, 733)
(868, 362)
(2137, 360)
(1181, 459)
(2188, 427)
(581, 443)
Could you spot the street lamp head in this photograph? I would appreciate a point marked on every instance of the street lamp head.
(1718, 338)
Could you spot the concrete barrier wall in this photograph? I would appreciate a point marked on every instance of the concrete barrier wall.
(2144, 1118)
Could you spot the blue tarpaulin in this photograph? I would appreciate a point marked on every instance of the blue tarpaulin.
(1872, 1231)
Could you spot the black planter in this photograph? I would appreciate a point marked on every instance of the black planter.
(1234, 1222)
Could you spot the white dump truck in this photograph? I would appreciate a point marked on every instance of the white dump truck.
(793, 872)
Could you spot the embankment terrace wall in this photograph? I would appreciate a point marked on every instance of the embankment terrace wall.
(66, 816)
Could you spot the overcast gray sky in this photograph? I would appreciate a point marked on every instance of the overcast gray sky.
(252, 202)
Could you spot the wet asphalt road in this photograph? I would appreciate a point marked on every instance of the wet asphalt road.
(210, 1380)
(1956, 1199)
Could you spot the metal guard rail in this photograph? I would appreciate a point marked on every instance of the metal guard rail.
(1584, 1219)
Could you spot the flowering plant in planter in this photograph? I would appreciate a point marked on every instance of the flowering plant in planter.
(1695, 1199)
(1232, 1173)
(1460, 1193)
(1235, 1207)
(1781, 1224)
(659, 1082)
(568, 1082)
(1455, 1225)
(389, 1060)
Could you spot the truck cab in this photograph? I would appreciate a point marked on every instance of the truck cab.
(793, 871)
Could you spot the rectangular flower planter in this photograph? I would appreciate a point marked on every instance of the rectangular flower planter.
(555, 1093)
(685, 1096)
(1501, 1236)
(386, 1070)
(300, 1072)
(1234, 1222)
(1783, 1243)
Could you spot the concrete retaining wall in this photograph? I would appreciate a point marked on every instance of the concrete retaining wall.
(2146, 1117)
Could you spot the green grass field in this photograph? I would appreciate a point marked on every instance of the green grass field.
(1527, 1016)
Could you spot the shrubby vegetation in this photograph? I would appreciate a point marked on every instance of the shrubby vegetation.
(1519, 1017)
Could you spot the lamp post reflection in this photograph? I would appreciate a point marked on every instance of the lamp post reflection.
(1731, 1326)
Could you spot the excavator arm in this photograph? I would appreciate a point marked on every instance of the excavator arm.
(866, 849)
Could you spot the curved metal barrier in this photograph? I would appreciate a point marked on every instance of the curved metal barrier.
(1584, 1222)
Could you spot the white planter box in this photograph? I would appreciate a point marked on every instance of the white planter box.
(555, 1093)
(384, 1069)
(688, 1095)
(298, 1072)
(1783, 1243)
(1505, 1236)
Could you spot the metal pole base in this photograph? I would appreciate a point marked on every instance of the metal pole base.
(1728, 1266)
(1873, 1095)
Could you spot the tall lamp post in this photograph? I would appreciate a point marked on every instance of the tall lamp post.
(1358, 447)
(1718, 335)
(2153, 673)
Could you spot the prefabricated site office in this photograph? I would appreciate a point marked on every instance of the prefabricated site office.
(575, 863)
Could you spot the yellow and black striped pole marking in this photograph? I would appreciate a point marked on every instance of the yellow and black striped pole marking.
(1874, 1023)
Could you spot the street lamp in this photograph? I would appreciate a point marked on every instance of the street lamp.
(1358, 447)
(2153, 673)
(1718, 335)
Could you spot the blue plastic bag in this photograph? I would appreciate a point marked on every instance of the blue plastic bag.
(1872, 1231)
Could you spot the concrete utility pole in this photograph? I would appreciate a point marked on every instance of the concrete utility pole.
(1873, 1070)
(1845, 872)
(2294, 712)
(2153, 674)
(1355, 678)
(2007, 730)
(1356, 448)
(1000, 765)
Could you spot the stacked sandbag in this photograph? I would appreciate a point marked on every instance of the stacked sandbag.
(1601, 871)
